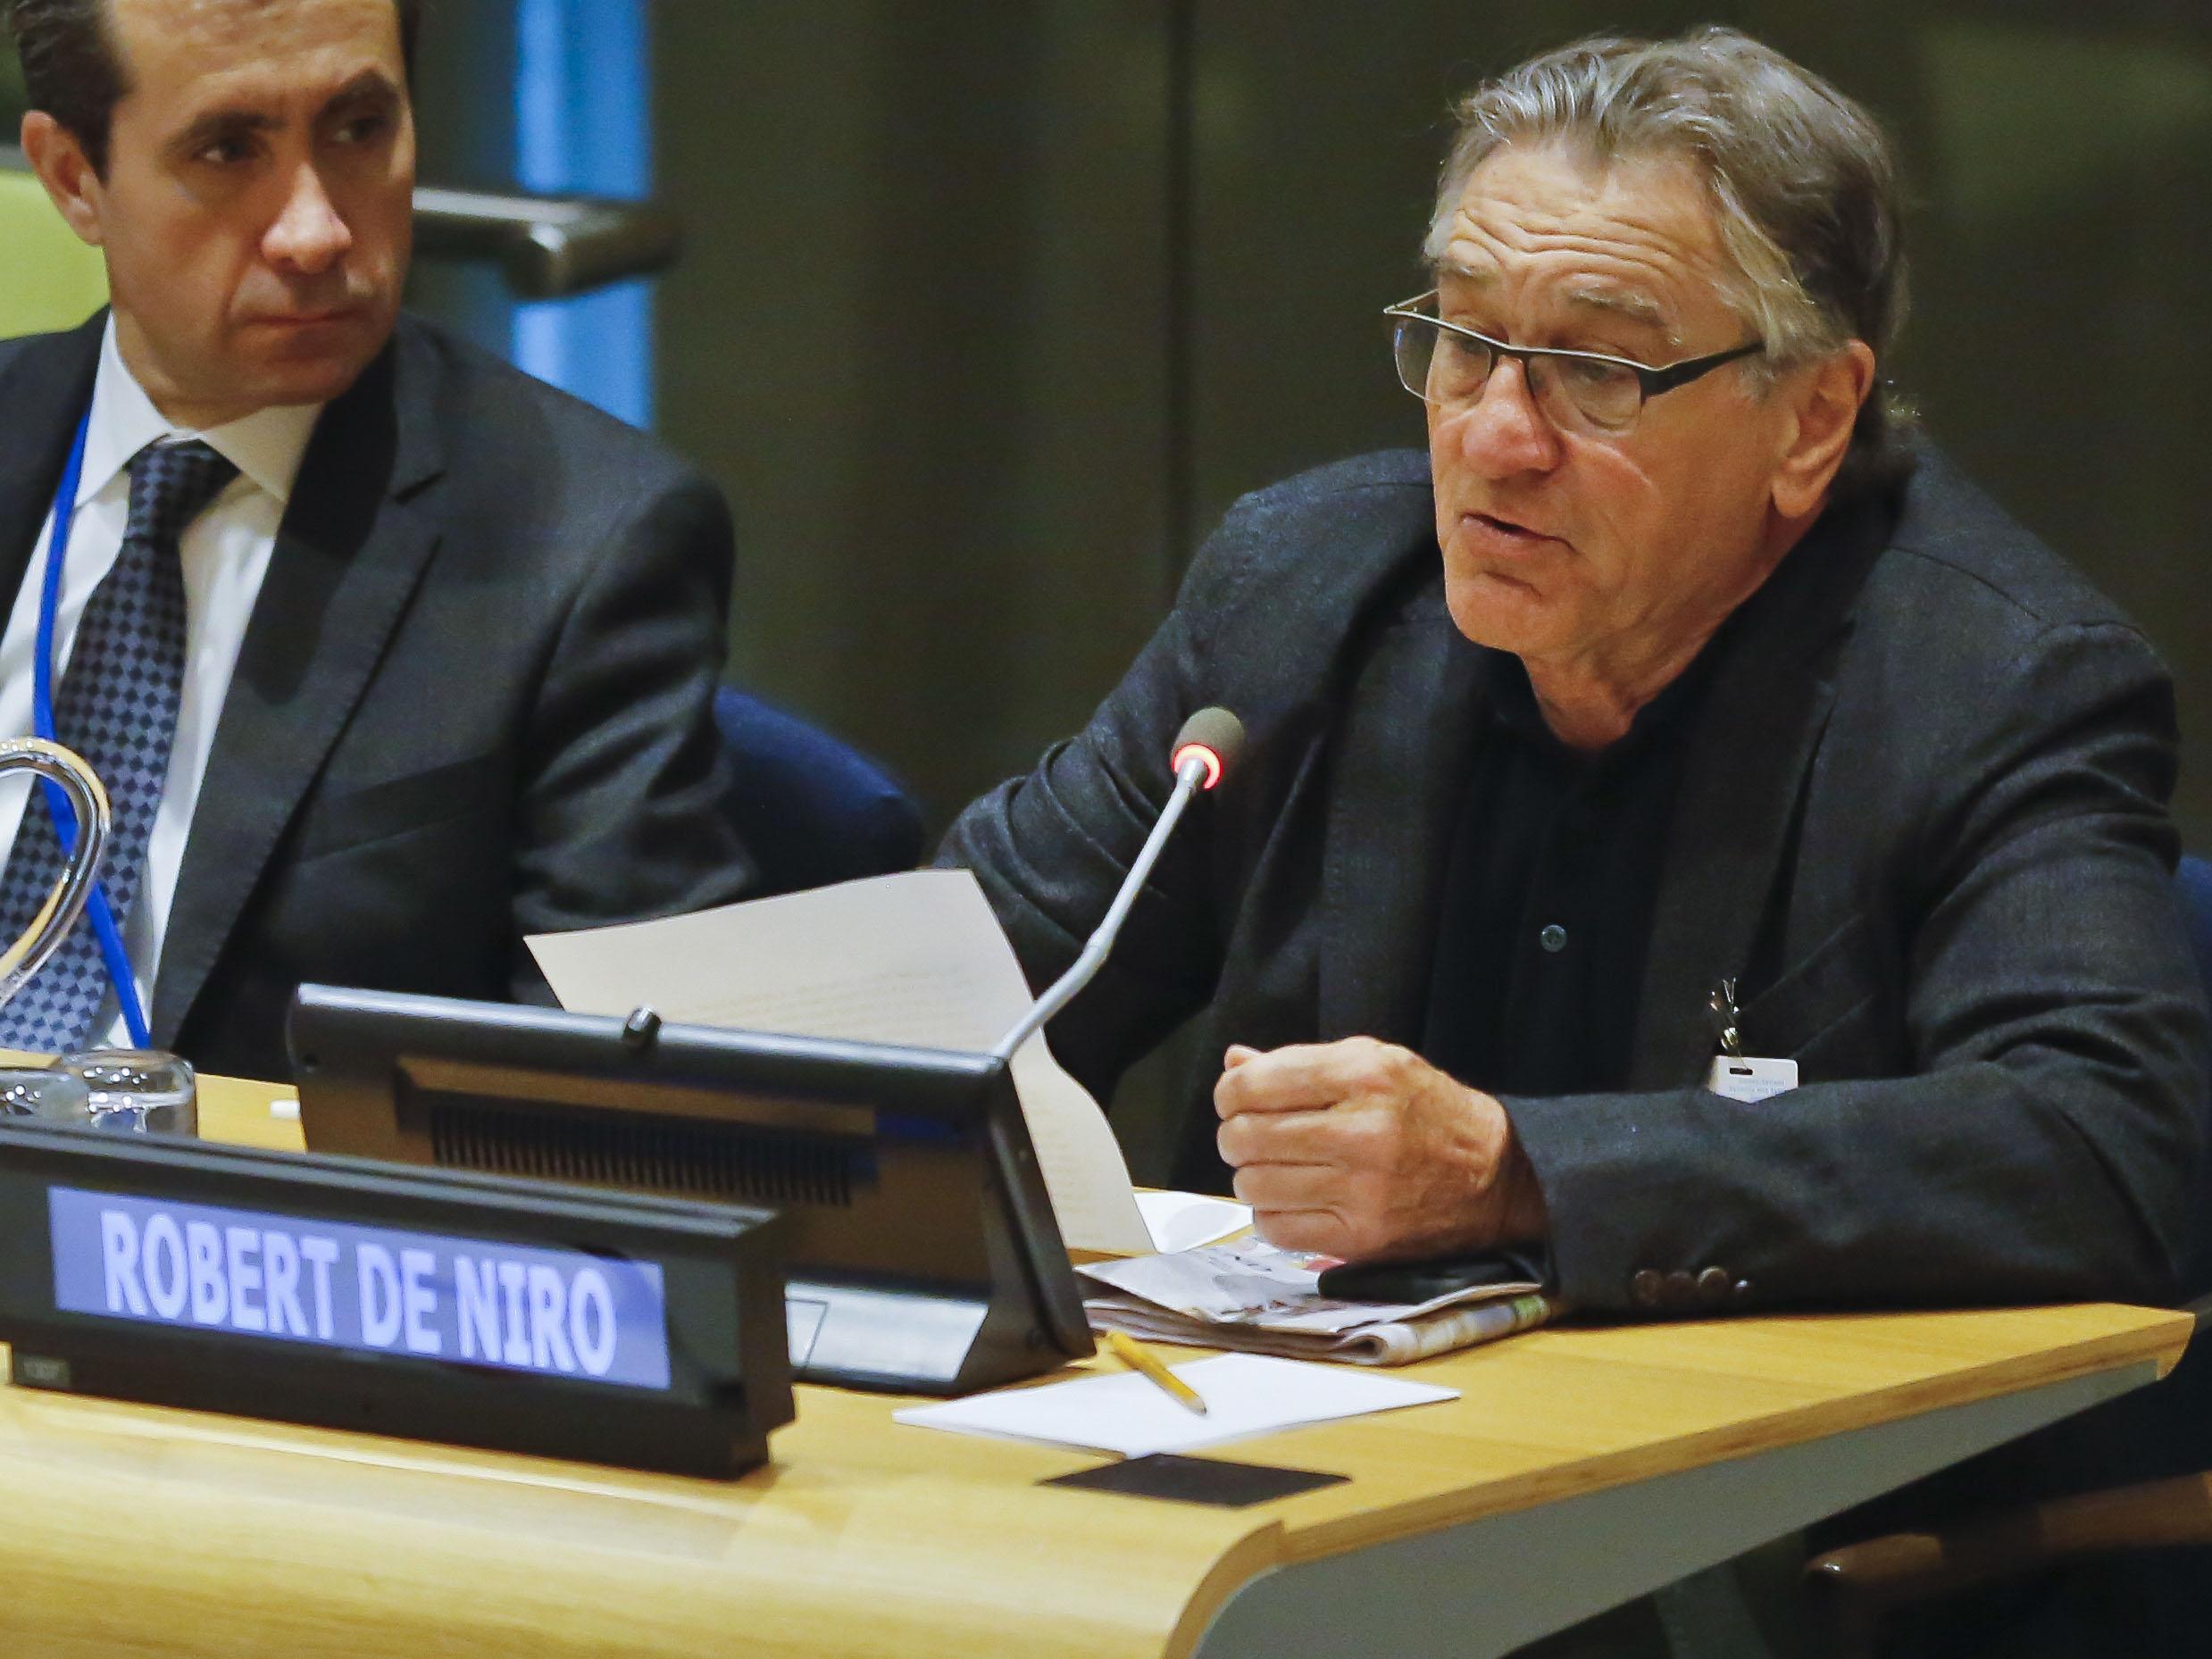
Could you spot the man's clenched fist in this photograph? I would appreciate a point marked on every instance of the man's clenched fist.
(1364, 1150)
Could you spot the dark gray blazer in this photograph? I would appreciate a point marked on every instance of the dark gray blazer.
(1922, 821)
(473, 700)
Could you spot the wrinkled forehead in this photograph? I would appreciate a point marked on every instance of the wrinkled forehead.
(1555, 222)
(173, 49)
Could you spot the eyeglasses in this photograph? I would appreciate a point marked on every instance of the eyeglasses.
(1447, 365)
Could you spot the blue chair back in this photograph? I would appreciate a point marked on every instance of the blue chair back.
(2193, 883)
(2193, 880)
(812, 810)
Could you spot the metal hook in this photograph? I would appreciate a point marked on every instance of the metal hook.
(1721, 1003)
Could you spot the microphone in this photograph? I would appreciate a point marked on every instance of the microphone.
(1206, 748)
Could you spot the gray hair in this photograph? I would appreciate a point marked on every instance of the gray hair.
(1803, 184)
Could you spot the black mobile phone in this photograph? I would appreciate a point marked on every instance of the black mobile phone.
(1420, 1281)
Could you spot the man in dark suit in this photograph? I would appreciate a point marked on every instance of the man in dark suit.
(1722, 695)
(442, 641)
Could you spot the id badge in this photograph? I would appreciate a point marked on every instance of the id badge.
(1746, 1076)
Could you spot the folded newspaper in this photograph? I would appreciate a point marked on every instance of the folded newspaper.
(1249, 1295)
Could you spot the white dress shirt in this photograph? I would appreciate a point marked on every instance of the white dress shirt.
(226, 554)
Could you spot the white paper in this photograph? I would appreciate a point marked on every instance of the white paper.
(1183, 1221)
(914, 958)
(1748, 1078)
(1245, 1395)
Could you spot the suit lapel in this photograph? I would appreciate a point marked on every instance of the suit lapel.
(1743, 778)
(348, 555)
(44, 391)
(1398, 770)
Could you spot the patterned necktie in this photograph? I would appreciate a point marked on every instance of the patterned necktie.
(117, 707)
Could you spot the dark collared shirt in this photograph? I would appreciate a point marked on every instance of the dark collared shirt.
(1548, 895)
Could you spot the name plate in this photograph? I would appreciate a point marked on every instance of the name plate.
(616, 1329)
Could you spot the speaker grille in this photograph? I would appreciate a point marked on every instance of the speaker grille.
(687, 1157)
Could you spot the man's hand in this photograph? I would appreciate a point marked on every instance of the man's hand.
(1365, 1151)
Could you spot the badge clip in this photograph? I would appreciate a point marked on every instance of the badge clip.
(1734, 1074)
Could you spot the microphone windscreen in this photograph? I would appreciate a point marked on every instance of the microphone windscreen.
(1214, 729)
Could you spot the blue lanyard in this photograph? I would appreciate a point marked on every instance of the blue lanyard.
(98, 910)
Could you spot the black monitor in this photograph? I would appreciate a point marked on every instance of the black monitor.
(923, 1254)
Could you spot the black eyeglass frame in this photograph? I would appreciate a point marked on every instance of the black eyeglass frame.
(1651, 381)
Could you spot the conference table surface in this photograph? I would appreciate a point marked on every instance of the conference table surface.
(148, 1531)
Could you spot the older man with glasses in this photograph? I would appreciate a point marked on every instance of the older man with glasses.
(1734, 745)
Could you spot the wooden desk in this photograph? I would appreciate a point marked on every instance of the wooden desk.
(1580, 1468)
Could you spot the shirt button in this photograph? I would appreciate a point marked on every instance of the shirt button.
(1554, 938)
(1644, 1286)
(1713, 1285)
(1680, 1289)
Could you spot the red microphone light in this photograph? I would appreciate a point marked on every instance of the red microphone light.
(1213, 736)
(1212, 763)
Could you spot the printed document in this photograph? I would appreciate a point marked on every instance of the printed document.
(1248, 1294)
(915, 958)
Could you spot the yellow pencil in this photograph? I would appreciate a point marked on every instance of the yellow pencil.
(1139, 1358)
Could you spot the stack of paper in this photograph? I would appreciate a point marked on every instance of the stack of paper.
(1249, 1295)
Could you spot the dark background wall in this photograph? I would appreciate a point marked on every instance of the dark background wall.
(989, 310)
